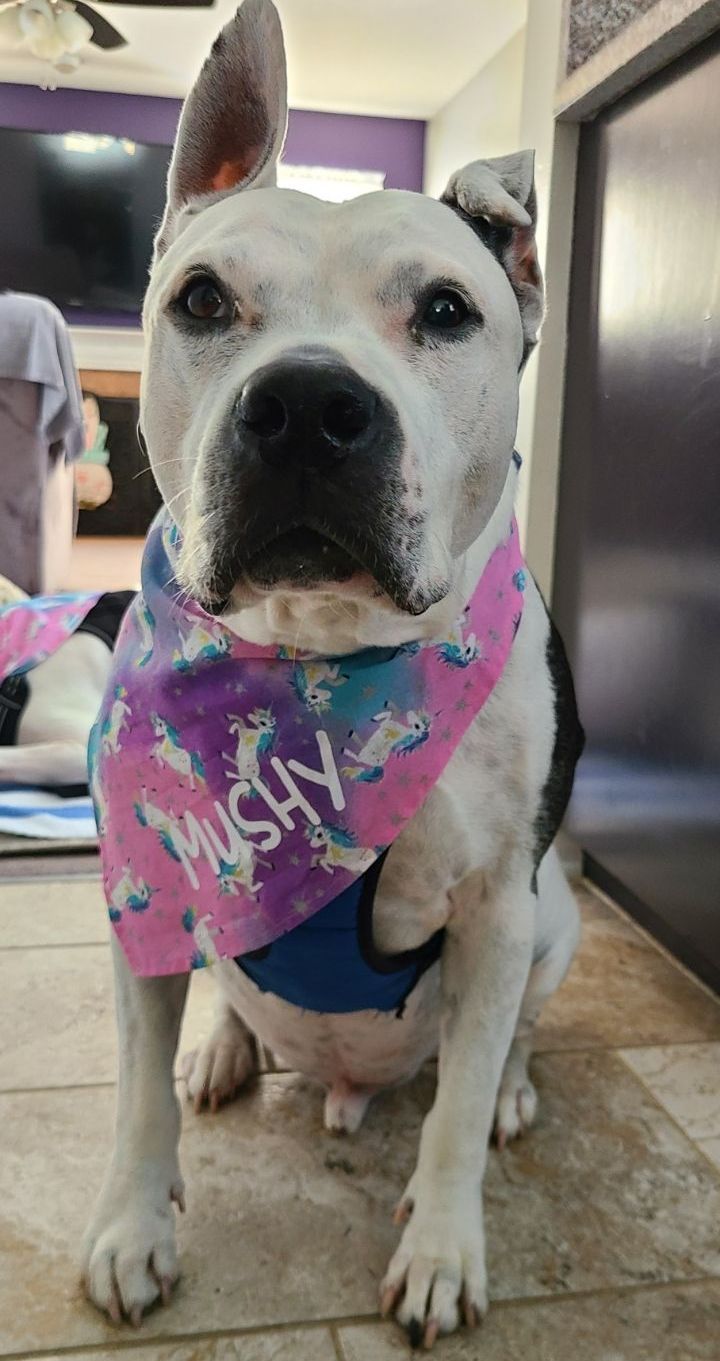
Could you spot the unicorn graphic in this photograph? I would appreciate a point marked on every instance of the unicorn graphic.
(252, 743)
(135, 894)
(149, 816)
(114, 723)
(100, 807)
(338, 849)
(232, 877)
(392, 737)
(204, 952)
(201, 644)
(37, 622)
(457, 650)
(170, 535)
(146, 624)
(169, 751)
(307, 681)
(72, 619)
(96, 789)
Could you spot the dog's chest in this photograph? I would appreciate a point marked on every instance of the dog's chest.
(366, 1048)
(464, 820)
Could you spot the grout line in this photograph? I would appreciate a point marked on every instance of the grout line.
(605, 1291)
(592, 888)
(59, 1087)
(56, 945)
(12, 880)
(333, 1325)
(111, 1084)
(337, 1342)
(695, 1143)
(617, 1046)
(614, 1050)
(131, 1343)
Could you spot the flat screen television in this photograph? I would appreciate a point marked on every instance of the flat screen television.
(78, 213)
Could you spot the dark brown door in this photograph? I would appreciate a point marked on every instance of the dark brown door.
(637, 576)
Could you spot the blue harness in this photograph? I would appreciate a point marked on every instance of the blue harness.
(330, 964)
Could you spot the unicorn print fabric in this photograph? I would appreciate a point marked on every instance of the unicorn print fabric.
(32, 630)
(238, 790)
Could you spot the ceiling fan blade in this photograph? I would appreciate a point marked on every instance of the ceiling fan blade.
(104, 35)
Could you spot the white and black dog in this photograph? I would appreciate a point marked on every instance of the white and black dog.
(46, 714)
(434, 307)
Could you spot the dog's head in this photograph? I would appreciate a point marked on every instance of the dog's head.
(330, 394)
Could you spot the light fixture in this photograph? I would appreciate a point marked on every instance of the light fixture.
(50, 29)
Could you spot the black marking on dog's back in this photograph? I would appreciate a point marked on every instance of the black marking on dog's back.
(567, 749)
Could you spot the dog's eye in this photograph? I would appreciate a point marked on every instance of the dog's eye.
(203, 300)
(445, 311)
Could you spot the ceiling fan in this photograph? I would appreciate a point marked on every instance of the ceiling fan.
(56, 30)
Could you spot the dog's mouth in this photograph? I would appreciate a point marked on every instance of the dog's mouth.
(307, 558)
(303, 558)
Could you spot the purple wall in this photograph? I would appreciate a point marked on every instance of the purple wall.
(346, 141)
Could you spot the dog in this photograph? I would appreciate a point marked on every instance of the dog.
(47, 711)
(329, 401)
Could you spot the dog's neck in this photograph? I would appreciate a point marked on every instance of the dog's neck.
(330, 623)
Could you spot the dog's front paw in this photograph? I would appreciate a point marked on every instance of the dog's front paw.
(438, 1273)
(129, 1253)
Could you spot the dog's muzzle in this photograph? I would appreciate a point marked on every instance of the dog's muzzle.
(304, 485)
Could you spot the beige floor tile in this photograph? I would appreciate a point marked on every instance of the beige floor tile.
(296, 1344)
(673, 1324)
(286, 1225)
(57, 1017)
(67, 912)
(622, 991)
(685, 1079)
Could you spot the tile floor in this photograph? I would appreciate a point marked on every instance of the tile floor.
(603, 1225)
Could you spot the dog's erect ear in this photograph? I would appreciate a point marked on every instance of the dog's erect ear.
(497, 199)
(233, 121)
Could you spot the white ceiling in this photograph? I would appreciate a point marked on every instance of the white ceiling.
(405, 58)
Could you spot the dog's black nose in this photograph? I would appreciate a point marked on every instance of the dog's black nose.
(310, 410)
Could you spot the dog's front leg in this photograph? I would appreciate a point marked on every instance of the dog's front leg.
(129, 1256)
(440, 1262)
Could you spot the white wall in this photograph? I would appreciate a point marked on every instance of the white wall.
(483, 119)
(509, 105)
(541, 392)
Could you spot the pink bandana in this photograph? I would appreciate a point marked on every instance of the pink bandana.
(238, 789)
(32, 630)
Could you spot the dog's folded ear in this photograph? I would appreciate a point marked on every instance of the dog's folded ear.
(497, 199)
(233, 122)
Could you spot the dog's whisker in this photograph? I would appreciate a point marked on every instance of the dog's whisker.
(152, 467)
